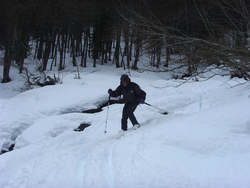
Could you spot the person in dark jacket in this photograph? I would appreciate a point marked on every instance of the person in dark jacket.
(133, 95)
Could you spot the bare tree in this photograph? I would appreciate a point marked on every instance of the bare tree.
(214, 40)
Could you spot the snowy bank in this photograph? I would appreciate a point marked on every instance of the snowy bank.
(204, 141)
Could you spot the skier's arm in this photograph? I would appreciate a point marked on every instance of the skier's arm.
(116, 92)
(140, 92)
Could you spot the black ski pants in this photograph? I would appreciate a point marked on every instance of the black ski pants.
(128, 112)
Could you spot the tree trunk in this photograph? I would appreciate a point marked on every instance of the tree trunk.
(46, 53)
(126, 50)
(109, 49)
(7, 64)
(73, 50)
(61, 49)
(158, 55)
(40, 48)
(85, 48)
(117, 49)
(137, 51)
(8, 56)
(167, 57)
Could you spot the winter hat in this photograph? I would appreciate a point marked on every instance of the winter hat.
(125, 78)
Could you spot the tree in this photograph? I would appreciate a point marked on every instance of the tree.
(203, 33)
(8, 22)
(206, 34)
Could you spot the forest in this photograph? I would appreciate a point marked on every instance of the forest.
(205, 34)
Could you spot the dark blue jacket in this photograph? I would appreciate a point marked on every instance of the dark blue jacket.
(132, 92)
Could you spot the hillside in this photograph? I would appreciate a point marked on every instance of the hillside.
(202, 143)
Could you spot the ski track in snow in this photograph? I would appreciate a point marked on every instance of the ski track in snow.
(108, 165)
(97, 157)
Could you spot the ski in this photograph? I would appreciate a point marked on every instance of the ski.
(122, 133)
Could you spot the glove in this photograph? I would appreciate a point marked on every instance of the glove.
(142, 101)
(110, 91)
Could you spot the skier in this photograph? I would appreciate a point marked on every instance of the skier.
(133, 95)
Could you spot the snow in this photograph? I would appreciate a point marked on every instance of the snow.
(202, 143)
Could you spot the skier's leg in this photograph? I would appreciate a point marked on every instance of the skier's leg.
(124, 120)
(130, 112)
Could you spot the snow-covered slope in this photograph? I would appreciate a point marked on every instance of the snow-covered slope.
(203, 142)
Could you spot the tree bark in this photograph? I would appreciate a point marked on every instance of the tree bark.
(117, 49)
(7, 64)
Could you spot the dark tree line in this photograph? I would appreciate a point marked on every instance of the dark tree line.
(207, 34)
(202, 32)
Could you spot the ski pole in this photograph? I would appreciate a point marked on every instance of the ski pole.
(165, 113)
(105, 131)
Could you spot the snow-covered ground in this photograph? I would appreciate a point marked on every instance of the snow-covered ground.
(204, 142)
